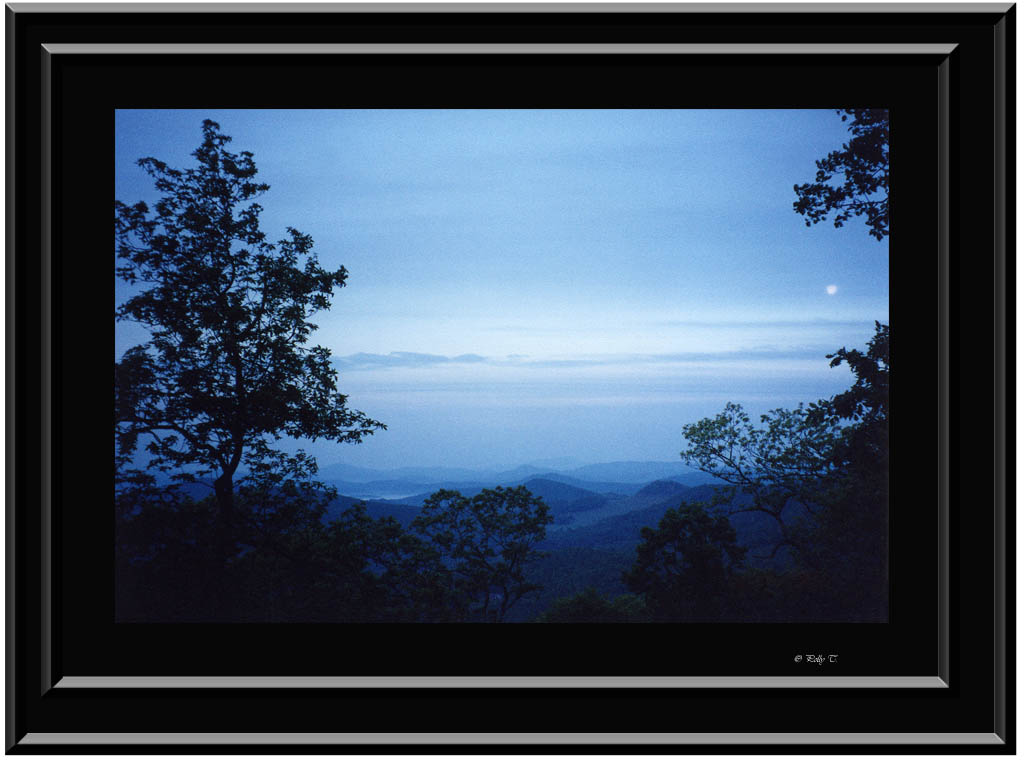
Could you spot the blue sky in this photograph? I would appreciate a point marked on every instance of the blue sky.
(525, 284)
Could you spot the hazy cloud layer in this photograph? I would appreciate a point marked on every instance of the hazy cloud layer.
(812, 323)
(369, 361)
(366, 360)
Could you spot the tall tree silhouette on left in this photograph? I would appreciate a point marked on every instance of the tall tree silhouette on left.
(228, 368)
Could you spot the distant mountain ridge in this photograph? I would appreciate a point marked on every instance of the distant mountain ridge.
(625, 477)
(624, 489)
(634, 471)
(661, 488)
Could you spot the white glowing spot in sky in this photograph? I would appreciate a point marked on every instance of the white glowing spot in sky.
(831, 289)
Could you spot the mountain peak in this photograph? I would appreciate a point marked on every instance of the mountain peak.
(661, 488)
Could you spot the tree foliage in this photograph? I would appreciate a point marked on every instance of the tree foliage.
(783, 466)
(821, 473)
(862, 166)
(684, 566)
(483, 546)
(229, 367)
(867, 401)
(301, 561)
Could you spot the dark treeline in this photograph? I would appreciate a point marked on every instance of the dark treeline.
(461, 559)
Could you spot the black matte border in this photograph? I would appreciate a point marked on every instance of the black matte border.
(90, 85)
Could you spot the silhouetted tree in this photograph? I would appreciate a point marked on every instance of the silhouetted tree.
(352, 569)
(822, 472)
(850, 540)
(482, 546)
(228, 368)
(868, 399)
(783, 468)
(863, 189)
(684, 567)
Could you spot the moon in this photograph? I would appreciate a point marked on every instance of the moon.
(831, 289)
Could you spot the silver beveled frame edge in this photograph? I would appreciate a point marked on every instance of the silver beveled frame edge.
(1003, 475)
(489, 682)
(9, 401)
(943, 370)
(940, 49)
(527, 7)
(512, 739)
(55, 738)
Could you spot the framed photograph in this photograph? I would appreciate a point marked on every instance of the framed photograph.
(510, 378)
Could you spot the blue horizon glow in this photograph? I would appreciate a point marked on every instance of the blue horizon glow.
(529, 283)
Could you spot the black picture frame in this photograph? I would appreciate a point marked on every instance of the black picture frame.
(938, 678)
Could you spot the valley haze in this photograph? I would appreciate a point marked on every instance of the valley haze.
(368, 483)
